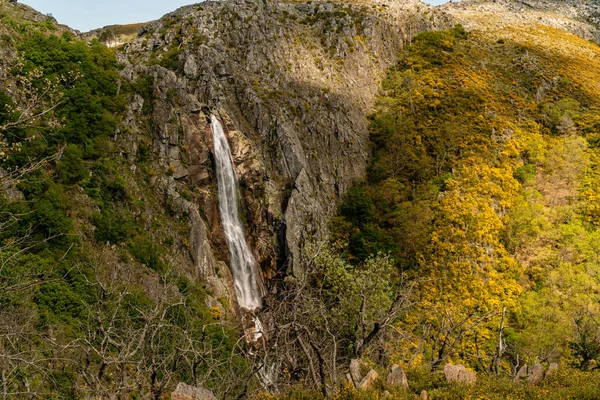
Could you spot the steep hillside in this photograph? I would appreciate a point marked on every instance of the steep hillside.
(114, 279)
(98, 293)
(16, 19)
(483, 186)
(416, 192)
(294, 82)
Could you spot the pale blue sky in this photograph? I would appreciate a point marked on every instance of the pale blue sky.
(90, 14)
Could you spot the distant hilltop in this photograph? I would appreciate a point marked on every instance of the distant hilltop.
(116, 35)
(581, 17)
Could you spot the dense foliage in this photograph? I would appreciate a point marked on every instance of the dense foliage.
(483, 187)
(91, 301)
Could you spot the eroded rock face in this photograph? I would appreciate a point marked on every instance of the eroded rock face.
(293, 83)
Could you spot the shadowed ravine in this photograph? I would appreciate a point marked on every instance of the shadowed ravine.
(243, 265)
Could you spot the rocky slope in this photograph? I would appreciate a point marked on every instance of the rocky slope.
(294, 83)
(579, 17)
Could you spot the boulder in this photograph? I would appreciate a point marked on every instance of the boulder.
(190, 68)
(458, 373)
(368, 380)
(187, 392)
(355, 373)
(397, 377)
(553, 367)
(522, 373)
(199, 176)
(424, 395)
(536, 374)
(180, 172)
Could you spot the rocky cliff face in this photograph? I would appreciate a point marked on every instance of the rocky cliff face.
(293, 82)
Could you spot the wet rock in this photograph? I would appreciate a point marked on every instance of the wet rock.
(458, 373)
(187, 392)
(397, 377)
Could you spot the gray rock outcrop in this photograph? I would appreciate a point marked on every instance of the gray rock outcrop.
(579, 17)
(533, 375)
(522, 373)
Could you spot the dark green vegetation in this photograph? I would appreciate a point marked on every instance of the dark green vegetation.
(91, 303)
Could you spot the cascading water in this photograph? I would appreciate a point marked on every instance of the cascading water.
(243, 265)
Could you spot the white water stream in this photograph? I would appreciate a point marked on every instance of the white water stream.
(243, 264)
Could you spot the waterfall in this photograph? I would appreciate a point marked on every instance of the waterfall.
(243, 265)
